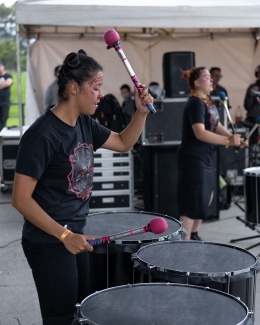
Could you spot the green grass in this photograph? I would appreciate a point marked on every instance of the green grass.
(13, 118)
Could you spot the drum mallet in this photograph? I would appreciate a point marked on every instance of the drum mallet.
(253, 129)
(157, 225)
(223, 98)
(112, 39)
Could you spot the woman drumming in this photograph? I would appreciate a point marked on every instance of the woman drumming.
(201, 129)
(53, 184)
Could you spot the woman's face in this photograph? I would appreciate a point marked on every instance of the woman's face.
(90, 94)
(205, 82)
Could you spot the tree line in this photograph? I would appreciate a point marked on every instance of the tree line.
(8, 40)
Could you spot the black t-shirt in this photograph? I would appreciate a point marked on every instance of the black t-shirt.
(215, 93)
(5, 92)
(251, 102)
(61, 158)
(196, 111)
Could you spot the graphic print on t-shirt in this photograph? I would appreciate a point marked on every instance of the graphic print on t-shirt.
(214, 117)
(81, 176)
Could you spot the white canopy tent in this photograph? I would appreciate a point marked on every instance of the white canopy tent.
(221, 33)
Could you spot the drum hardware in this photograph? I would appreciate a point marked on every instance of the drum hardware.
(228, 274)
(187, 275)
(252, 192)
(78, 316)
(150, 267)
(251, 310)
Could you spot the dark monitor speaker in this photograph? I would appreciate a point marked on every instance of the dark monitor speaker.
(173, 65)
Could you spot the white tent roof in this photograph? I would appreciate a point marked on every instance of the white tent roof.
(147, 29)
(136, 13)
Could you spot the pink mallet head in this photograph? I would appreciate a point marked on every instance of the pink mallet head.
(158, 225)
(110, 37)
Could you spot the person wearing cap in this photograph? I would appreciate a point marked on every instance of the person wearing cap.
(6, 81)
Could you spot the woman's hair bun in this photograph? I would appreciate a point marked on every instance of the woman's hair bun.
(72, 60)
(186, 74)
(82, 52)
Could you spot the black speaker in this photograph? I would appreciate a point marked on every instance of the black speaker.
(173, 65)
(160, 180)
(171, 110)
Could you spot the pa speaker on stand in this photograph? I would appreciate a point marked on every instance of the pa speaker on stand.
(173, 65)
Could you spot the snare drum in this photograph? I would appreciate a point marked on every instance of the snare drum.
(110, 264)
(161, 303)
(252, 194)
(223, 267)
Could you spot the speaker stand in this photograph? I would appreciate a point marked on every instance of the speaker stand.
(247, 224)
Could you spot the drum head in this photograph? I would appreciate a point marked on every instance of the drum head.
(159, 303)
(254, 171)
(110, 223)
(198, 258)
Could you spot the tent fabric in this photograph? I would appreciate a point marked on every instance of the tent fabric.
(163, 14)
(235, 55)
(221, 33)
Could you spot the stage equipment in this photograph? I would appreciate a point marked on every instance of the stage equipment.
(113, 181)
(160, 179)
(230, 160)
(9, 143)
(174, 63)
(110, 265)
(168, 123)
(252, 200)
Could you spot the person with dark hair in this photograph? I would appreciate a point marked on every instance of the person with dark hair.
(51, 92)
(201, 129)
(216, 75)
(156, 91)
(109, 113)
(252, 106)
(53, 184)
(251, 101)
(6, 81)
(128, 105)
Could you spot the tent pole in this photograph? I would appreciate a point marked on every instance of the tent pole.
(19, 86)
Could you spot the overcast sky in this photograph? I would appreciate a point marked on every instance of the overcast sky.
(8, 3)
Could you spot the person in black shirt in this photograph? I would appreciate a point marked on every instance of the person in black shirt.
(201, 130)
(53, 184)
(216, 75)
(5, 93)
(251, 101)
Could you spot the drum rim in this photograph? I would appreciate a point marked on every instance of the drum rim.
(161, 269)
(249, 171)
(128, 286)
(143, 241)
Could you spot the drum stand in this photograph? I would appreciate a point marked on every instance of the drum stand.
(247, 224)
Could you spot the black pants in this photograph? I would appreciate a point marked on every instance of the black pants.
(4, 111)
(60, 278)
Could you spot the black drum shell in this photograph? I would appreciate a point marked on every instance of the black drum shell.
(110, 264)
(252, 194)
